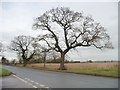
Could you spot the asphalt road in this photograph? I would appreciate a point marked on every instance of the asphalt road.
(62, 80)
(12, 82)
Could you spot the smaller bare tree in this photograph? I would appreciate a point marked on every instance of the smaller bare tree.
(25, 46)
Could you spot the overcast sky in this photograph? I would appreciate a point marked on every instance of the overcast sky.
(18, 18)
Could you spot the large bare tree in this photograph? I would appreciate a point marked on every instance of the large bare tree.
(66, 29)
(25, 46)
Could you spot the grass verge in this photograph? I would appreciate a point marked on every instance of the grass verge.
(96, 72)
(4, 72)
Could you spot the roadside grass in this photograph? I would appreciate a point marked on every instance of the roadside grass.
(109, 69)
(4, 72)
(96, 72)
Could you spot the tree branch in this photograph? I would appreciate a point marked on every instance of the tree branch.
(56, 39)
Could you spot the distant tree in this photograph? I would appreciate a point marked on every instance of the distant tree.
(25, 46)
(4, 60)
(67, 29)
(90, 61)
(76, 62)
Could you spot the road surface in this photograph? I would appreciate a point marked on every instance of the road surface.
(12, 82)
(50, 79)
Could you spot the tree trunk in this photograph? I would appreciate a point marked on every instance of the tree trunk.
(62, 67)
(44, 60)
(25, 63)
(24, 59)
(44, 63)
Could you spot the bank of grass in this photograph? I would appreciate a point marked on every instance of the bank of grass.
(109, 69)
(4, 72)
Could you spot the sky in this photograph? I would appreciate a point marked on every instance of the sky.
(17, 18)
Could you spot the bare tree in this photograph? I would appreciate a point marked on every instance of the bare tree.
(75, 29)
(25, 46)
(4, 60)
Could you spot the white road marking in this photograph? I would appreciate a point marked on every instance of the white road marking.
(36, 83)
(34, 86)
(27, 78)
(25, 81)
(31, 81)
(20, 78)
(46, 87)
(41, 85)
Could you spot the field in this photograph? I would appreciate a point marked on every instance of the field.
(4, 72)
(100, 69)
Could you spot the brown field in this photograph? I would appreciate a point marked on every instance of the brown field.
(100, 69)
(106, 66)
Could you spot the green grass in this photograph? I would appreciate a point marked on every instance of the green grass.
(4, 72)
(97, 72)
